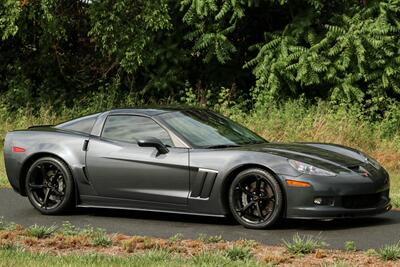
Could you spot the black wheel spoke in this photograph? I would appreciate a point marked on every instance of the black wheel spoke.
(36, 186)
(244, 190)
(258, 185)
(259, 211)
(245, 208)
(268, 198)
(46, 198)
(57, 174)
(56, 192)
(43, 171)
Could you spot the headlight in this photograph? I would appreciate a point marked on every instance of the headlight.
(309, 169)
(371, 161)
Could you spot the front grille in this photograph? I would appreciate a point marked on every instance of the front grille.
(363, 201)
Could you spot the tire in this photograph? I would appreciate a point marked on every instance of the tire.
(50, 186)
(255, 199)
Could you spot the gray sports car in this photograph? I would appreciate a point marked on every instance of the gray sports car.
(190, 161)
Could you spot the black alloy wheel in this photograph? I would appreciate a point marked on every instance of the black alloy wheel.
(255, 199)
(49, 185)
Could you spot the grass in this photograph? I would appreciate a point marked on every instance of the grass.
(40, 231)
(350, 246)
(100, 238)
(150, 258)
(300, 245)
(389, 252)
(210, 239)
(236, 253)
(72, 246)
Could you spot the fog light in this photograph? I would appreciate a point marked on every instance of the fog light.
(318, 200)
(324, 201)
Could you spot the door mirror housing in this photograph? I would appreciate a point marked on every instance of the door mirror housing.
(153, 142)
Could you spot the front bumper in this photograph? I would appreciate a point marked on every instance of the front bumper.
(348, 196)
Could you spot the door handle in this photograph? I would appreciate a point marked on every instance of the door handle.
(85, 145)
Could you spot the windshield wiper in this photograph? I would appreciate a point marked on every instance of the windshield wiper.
(221, 146)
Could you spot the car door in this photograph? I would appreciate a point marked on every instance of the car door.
(118, 168)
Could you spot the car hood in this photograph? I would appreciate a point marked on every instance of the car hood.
(328, 156)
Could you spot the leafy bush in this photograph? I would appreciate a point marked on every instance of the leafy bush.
(345, 52)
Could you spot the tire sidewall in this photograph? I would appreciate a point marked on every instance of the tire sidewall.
(69, 186)
(276, 215)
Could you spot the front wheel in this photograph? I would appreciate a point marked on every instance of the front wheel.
(49, 186)
(255, 199)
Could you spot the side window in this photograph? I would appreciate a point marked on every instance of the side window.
(129, 128)
(83, 125)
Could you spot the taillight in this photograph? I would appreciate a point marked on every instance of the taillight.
(16, 149)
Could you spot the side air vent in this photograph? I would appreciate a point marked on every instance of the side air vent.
(203, 183)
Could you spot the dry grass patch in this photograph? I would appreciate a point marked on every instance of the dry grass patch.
(80, 241)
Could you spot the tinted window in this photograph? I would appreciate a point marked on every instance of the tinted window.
(204, 128)
(84, 124)
(132, 128)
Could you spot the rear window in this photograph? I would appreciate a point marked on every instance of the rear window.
(82, 125)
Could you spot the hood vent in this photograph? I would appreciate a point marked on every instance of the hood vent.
(359, 169)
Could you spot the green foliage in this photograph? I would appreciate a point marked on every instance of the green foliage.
(210, 239)
(176, 238)
(301, 245)
(40, 231)
(253, 51)
(99, 237)
(9, 14)
(11, 247)
(350, 246)
(125, 30)
(69, 229)
(389, 252)
(238, 253)
(148, 258)
(351, 56)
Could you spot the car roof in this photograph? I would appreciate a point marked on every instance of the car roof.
(148, 111)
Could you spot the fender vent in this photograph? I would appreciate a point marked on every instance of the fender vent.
(203, 183)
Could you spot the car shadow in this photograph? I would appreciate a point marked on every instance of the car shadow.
(393, 217)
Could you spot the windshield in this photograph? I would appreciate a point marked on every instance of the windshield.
(206, 129)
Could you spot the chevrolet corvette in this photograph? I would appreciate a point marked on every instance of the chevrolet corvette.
(189, 161)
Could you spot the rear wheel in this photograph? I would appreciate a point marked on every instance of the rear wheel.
(255, 199)
(49, 186)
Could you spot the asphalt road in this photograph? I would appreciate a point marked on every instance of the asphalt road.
(366, 233)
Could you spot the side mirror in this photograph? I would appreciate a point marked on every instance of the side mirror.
(153, 142)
